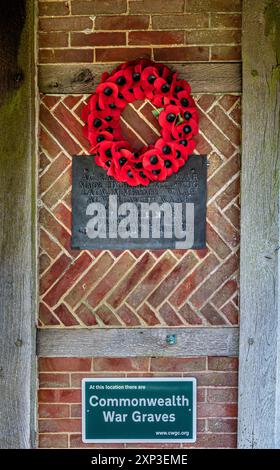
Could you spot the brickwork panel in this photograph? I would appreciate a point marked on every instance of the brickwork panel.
(79, 31)
(59, 396)
(138, 288)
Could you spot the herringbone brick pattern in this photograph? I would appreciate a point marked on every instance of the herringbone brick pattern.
(138, 288)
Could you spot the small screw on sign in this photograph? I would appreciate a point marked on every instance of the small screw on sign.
(171, 339)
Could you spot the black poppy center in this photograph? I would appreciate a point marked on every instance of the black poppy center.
(121, 80)
(187, 129)
(183, 142)
(136, 77)
(165, 88)
(108, 118)
(97, 122)
(100, 138)
(153, 159)
(108, 153)
(156, 172)
(167, 163)
(184, 102)
(108, 91)
(151, 79)
(187, 115)
(171, 117)
(122, 161)
(166, 149)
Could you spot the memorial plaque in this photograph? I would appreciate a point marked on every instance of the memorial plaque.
(139, 410)
(111, 215)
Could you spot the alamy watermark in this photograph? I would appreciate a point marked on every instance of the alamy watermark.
(141, 220)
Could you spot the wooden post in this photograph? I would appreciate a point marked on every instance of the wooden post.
(259, 373)
(17, 226)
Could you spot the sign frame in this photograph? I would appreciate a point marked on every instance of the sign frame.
(193, 380)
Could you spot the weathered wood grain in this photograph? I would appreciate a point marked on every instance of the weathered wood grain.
(203, 77)
(126, 342)
(17, 219)
(259, 383)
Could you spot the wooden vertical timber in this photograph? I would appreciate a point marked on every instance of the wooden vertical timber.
(17, 219)
(259, 373)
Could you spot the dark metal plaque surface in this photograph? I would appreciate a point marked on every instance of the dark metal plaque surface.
(111, 215)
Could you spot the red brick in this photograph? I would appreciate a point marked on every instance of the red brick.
(212, 316)
(46, 316)
(228, 101)
(162, 267)
(50, 147)
(63, 214)
(226, 20)
(229, 193)
(216, 242)
(222, 379)
(76, 379)
(216, 137)
(65, 24)
(87, 282)
(206, 101)
(98, 7)
(224, 293)
(57, 190)
(77, 443)
(231, 312)
(182, 54)
(112, 277)
(53, 39)
(65, 316)
(55, 128)
(97, 39)
(226, 53)
(214, 441)
(50, 101)
(222, 363)
(71, 101)
(139, 126)
(156, 6)
(222, 425)
(106, 316)
(155, 37)
(59, 425)
(76, 411)
(44, 162)
(125, 23)
(215, 161)
(69, 278)
(211, 284)
(222, 395)
(147, 112)
(226, 230)
(225, 173)
(51, 441)
(207, 36)
(193, 280)
(229, 128)
(47, 380)
(213, 5)
(189, 315)
(192, 20)
(215, 410)
(120, 364)
(148, 315)
(69, 121)
(233, 214)
(178, 364)
(63, 364)
(86, 315)
(44, 262)
(55, 169)
(59, 396)
(180, 271)
(127, 316)
(53, 8)
(57, 56)
(121, 54)
(53, 411)
(54, 272)
(169, 315)
(131, 280)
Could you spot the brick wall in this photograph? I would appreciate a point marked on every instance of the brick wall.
(119, 30)
(136, 288)
(60, 396)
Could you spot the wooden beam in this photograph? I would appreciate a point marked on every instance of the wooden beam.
(125, 342)
(17, 227)
(203, 77)
(259, 373)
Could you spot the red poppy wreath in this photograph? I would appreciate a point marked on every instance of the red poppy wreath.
(177, 117)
